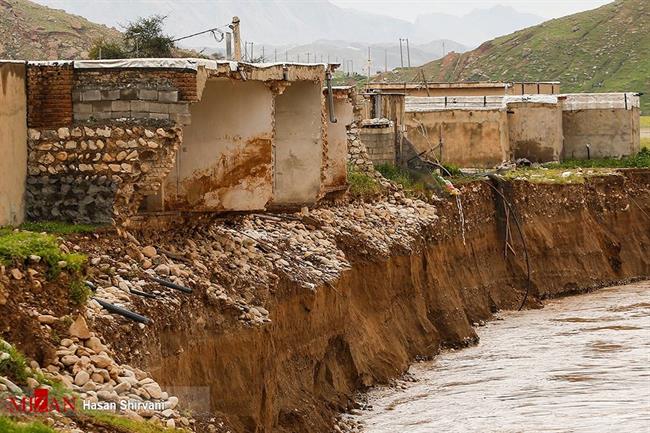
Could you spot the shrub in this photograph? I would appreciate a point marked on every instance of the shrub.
(362, 185)
(12, 364)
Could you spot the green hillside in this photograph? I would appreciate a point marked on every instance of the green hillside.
(602, 50)
(34, 32)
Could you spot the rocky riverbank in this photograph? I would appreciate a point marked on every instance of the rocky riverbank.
(290, 314)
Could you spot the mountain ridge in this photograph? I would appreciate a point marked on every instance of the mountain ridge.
(601, 50)
(275, 22)
(34, 32)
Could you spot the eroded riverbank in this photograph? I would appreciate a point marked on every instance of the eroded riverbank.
(578, 365)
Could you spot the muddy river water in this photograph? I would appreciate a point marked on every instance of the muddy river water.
(581, 364)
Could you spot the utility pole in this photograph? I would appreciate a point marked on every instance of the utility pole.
(385, 59)
(252, 52)
(401, 53)
(408, 52)
(263, 56)
(369, 65)
(275, 55)
(237, 37)
(308, 57)
(443, 49)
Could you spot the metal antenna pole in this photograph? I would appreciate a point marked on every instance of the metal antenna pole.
(401, 53)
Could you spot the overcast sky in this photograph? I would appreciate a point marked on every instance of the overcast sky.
(410, 9)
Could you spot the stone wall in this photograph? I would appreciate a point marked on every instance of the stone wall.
(101, 140)
(357, 152)
(96, 174)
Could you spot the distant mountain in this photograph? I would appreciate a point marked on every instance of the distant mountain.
(263, 21)
(475, 27)
(605, 49)
(281, 22)
(353, 56)
(34, 32)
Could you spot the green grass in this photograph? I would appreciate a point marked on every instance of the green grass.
(640, 160)
(79, 292)
(414, 184)
(645, 121)
(8, 425)
(58, 227)
(16, 246)
(362, 185)
(550, 175)
(645, 143)
(129, 424)
(15, 366)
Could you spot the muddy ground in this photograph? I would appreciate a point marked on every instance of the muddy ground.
(297, 371)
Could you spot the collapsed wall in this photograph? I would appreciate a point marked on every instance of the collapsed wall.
(13, 136)
(600, 125)
(100, 139)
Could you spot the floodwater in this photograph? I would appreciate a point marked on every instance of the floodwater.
(581, 364)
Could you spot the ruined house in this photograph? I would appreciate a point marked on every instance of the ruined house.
(107, 139)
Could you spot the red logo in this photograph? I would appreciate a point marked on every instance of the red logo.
(39, 402)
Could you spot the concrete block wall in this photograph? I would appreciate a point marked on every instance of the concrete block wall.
(130, 94)
(380, 143)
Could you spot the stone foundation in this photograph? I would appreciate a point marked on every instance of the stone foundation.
(96, 174)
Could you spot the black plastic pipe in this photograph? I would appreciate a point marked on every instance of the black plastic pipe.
(123, 312)
(171, 285)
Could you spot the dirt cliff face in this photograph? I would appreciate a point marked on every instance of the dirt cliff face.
(297, 372)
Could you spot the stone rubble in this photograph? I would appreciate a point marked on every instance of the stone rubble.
(232, 261)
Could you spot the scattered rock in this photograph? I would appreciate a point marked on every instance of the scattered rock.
(16, 274)
(149, 251)
(79, 328)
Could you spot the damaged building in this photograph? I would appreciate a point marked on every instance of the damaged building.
(483, 131)
(108, 139)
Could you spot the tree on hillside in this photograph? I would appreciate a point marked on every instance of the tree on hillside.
(142, 38)
(145, 38)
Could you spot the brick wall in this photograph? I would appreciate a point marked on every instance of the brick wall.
(49, 95)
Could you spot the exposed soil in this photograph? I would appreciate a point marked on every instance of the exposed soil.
(296, 373)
